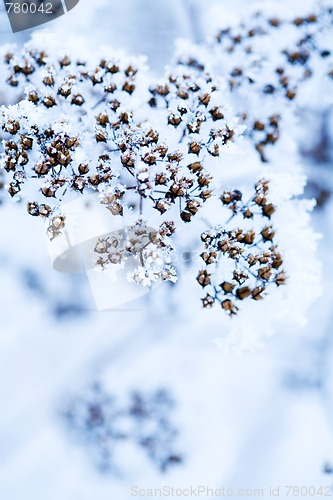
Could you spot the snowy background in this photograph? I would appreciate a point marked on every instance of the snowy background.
(246, 420)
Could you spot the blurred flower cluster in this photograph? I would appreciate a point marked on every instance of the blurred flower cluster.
(99, 419)
(285, 62)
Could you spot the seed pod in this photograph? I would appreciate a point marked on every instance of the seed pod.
(78, 100)
(227, 287)
(194, 147)
(260, 200)
(115, 257)
(100, 136)
(243, 293)
(128, 159)
(12, 81)
(174, 120)
(65, 90)
(114, 105)
(33, 209)
(206, 238)
(65, 61)
(83, 169)
(226, 197)
(274, 22)
(94, 180)
(160, 179)
(208, 301)
(298, 21)
(112, 68)
(252, 260)
(177, 190)
(257, 293)
(10, 164)
(12, 126)
(48, 191)
(112, 87)
(265, 273)
(24, 159)
(204, 180)
(42, 169)
(149, 159)
(48, 80)
(183, 93)
(103, 119)
(49, 101)
(205, 99)
(203, 278)
(186, 216)
(229, 307)
(44, 210)
(240, 276)
(129, 87)
(258, 125)
(152, 102)
(209, 257)
(26, 142)
(274, 122)
(214, 150)
(216, 113)
(224, 245)
(281, 278)
(249, 237)
(195, 167)
(175, 157)
(193, 206)
(115, 208)
(79, 183)
(268, 210)
(268, 233)
(291, 94)
(161, 90)
(277, 261)
(206, 194)
(162, 206)
(58, 222)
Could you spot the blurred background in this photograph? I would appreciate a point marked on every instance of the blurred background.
(194, 414)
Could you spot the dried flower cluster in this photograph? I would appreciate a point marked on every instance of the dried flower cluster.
(147, 249)
(155, 158)
(52, 135)
(75, 132)
(99, 420)
(59, 151)
(248, 39)
(272, 60)
(242, 262)
(46, 78)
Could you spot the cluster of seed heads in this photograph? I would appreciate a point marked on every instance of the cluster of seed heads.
(247, 39)
(102, 422)
(164, 177)
(61, 95)
(48, 80)
(148, 248)
(165, 166)
(76, 132)
(241, 263)
(195, 108)
(281, 72)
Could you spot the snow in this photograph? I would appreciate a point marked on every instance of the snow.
(245, 419)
